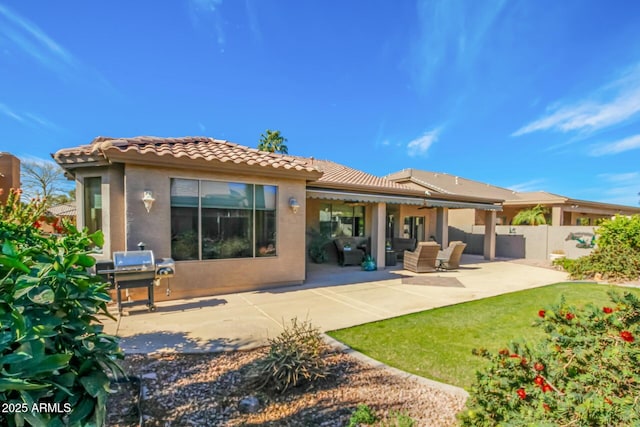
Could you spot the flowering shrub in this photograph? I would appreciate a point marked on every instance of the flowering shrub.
(53, 352)
(585, 372)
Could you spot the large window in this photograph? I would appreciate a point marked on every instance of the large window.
(93, 203)
(341, 219)
(218, 220)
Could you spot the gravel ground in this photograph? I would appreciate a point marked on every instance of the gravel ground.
(206, 390)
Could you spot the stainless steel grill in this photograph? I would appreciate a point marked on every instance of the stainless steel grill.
(136, 269)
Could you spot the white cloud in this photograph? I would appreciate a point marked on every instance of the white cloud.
(626, 144)
(34, 42)
(532, 185)
(420, 145)
(621, 177)
(452, 33)
(27, 118)
(619, 188)
(615, 103)
(10, 113)
(205, 16)
(25, 37)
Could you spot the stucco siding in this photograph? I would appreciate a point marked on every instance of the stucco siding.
(214, 277)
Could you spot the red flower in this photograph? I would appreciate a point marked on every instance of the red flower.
(504, 352)
(515, 356)
(606, 399)
(521, 393)
(626, 335)
(607, 310)
(541, 313)
(36, 224)
(570, 316)
(546, 407)
(539, 381)
(538, 366)
(546, 388)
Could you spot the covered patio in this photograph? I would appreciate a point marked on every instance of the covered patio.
(346, 202)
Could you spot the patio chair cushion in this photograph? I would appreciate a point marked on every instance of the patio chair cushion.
(451, 256)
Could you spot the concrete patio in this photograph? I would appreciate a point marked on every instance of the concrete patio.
(333, 297)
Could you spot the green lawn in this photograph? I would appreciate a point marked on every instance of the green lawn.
(437, 343)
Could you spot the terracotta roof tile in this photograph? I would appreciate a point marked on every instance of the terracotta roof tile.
(192, 147)
(335, 173)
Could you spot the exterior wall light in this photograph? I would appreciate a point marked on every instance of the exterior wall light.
(147, 199)
(294, 205)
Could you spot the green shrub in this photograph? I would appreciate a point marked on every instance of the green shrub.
(583, 373)
(398, 419)
(620, 231)
(615, 263)
(617, 257)
(295, 357)
(362, 415)
(317, 246)
(53, 351)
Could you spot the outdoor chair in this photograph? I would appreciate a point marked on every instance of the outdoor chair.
(449, 259)
(423, 259)
(351, 250)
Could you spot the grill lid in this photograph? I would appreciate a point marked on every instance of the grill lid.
(133, 261)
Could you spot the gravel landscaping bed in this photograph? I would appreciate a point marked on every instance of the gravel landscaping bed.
(211, 390)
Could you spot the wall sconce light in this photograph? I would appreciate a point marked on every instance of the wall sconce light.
(294, 205)
(147, 199)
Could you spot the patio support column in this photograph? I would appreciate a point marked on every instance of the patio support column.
(442, 226)
(489, 235)
(378, 233)
(556, 215)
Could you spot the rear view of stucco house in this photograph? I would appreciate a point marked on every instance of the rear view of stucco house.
(235, 218)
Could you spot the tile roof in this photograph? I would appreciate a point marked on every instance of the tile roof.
(205, 148)
(451, 184)
(65, 209)
(341, 175)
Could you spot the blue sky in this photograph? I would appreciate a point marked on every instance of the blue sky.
(530, 95)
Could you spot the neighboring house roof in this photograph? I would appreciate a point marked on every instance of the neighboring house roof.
(451, 184)
(194, 148)
(64, 209)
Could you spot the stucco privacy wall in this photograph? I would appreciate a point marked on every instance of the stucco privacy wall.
(214, 277)
(524, 241)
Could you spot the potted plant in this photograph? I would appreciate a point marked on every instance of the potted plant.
(557, 254)
(369, 263)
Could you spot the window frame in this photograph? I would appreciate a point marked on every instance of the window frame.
(252, 216)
